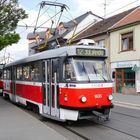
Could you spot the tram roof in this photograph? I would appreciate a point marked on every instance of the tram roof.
(58, 52)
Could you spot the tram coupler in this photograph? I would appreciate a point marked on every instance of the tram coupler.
(103, 118)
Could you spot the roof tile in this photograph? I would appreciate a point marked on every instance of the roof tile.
(103, 25)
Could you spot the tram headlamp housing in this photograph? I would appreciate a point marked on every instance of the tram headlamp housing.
(83, 99)
(110, 97)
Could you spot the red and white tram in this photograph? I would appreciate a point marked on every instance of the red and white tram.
(1, 78)
(67, 83)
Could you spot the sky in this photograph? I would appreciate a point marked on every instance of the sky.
(76, 8)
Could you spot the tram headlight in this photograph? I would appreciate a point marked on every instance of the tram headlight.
(83, 99)
(110, 97)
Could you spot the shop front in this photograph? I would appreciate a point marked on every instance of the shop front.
(126, 77)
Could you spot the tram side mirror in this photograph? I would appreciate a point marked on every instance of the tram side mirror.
(113, 75)
(65, 58)
(0, 74)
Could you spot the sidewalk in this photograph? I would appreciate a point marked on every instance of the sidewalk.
(132, 101)
(16, 124)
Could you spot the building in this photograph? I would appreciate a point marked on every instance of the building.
(120, 34)
(60, 35)
(99, 32)
(125, 53)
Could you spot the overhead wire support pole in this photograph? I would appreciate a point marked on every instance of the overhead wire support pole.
(43, 3)
(62, 9)
(105, 4)
(29, 26)
(38, 17)
(48, 20)
(55, 4)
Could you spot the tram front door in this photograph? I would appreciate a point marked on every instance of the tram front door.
(50, 98)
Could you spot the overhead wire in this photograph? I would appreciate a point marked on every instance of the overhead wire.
(30, 26)
(122, 7)
(41, 6)
(48, 19)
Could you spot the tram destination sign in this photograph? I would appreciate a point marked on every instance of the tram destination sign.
(90, 52)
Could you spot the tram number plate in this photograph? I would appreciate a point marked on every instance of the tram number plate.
(98, 96)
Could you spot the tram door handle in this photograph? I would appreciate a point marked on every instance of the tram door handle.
(67, 85)
(55, 78)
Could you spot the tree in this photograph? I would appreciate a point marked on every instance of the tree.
(10, 15)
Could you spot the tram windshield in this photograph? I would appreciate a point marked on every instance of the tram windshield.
(89, 70)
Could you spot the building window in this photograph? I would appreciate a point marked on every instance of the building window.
(101, 43)
(125, 77)
(127, 41)
(129, 77)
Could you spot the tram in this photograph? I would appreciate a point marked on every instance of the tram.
(1, 78)
(66, 84)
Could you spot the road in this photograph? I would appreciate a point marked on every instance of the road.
(124, 124)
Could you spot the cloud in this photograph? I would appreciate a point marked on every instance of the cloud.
(20, 50)
(97, 6)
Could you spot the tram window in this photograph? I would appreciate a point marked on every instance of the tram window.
(19, 73)
(29, 72)
(5, 73)
(34, 71)
(68, 71)
(48, 72)
(26, 73)
(55, 69)
(43, 71)
(8, 74)
(0, 74)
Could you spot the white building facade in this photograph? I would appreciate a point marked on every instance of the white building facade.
(125, 59)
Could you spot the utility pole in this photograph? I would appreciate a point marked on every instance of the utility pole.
(105, 4)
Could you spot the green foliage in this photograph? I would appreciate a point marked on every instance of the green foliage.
(10, 15)
(8, 39)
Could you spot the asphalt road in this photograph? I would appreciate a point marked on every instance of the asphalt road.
(124, 124)
(16, 124)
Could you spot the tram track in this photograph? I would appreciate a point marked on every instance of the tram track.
(136, 117)
(46, 121)
(76, 133)
(67, 127)
(72, 128)
(101, 124)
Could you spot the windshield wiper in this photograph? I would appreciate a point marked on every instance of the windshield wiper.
(96, 71)
(103, 78)
(85, 71)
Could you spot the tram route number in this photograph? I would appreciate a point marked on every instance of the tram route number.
(98, 96)
(90, 52)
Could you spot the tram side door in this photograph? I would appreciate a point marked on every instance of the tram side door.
(50, 106)
(13, 73)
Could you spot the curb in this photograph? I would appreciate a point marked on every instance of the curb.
(125, 104)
